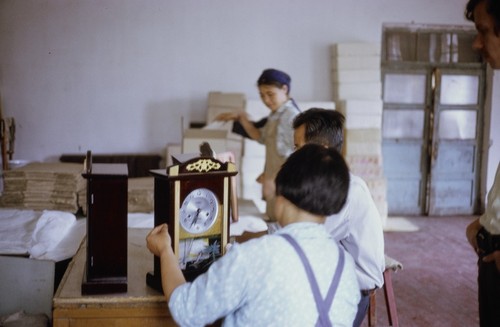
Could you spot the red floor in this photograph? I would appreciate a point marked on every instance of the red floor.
(437, 286)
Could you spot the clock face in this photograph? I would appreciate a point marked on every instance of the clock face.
(199, 211)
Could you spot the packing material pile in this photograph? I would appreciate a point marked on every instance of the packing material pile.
(44, 186)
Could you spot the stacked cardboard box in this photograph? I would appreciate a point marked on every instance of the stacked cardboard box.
(220, 102)
(40, 186)
(140, 194)
(357, 90)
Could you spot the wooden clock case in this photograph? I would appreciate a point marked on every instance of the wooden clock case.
(106, 265)
(188, 173)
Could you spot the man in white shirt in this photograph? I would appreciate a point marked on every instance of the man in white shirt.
(358, 226)
(484, 233)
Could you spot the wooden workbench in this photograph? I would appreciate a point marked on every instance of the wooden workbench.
(139, 306)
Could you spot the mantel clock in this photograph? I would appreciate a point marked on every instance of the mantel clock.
(193, 197)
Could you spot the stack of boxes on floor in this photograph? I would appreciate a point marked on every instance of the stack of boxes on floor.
(357, 91)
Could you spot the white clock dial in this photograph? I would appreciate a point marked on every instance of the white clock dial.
(199, 211)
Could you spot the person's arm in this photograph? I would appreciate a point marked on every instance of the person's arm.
(471, 232)
(242, 118)
(370, 239)
(159, 243)
(365, 240)
(493, 257)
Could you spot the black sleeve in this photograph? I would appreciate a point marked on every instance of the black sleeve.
(238, 128)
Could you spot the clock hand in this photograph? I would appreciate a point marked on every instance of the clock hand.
(196, 217)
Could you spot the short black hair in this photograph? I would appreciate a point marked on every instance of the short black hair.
(492, 8)
(315, 179)
(322, 126)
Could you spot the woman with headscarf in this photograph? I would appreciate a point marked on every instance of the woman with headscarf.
(275, 131)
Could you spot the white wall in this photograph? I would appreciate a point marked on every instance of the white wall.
(117, 75)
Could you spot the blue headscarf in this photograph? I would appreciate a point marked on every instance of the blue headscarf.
(271, 76)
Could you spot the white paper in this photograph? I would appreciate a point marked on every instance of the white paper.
(250, 224)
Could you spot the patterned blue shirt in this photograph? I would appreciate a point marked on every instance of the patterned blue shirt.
(262, 282)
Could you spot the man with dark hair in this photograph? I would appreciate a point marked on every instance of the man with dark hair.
(357, 227)
(484, 233)
(486, 16)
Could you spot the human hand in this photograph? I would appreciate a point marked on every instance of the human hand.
(228, 116)
(158, 240)
(495, 256)
(471, 233)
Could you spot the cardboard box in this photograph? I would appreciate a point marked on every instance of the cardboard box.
(219, 102)
(228, 100)
(363, 121)
(366, 172)
(220, 140)
(366, 135)
(361, 107)
(356, 76)
(362, 148)
(361, 91)
(304, 105)
(252, 148)
(364, 160)
(251, 168)
(213, 112)
(356, 62)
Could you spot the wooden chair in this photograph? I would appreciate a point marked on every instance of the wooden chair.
(390, 301)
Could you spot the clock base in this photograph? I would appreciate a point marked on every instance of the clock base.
(103, 285)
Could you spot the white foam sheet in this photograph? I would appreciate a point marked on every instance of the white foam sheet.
(46, 235)
(16, 228)
(247, 223)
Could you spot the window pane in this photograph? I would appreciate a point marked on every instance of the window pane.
(459, 89)
(403, 124)
(406, 88)
(457, 124)
(400, 46)
(428, 49)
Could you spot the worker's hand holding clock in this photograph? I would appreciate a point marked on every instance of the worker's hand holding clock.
(158, 240)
